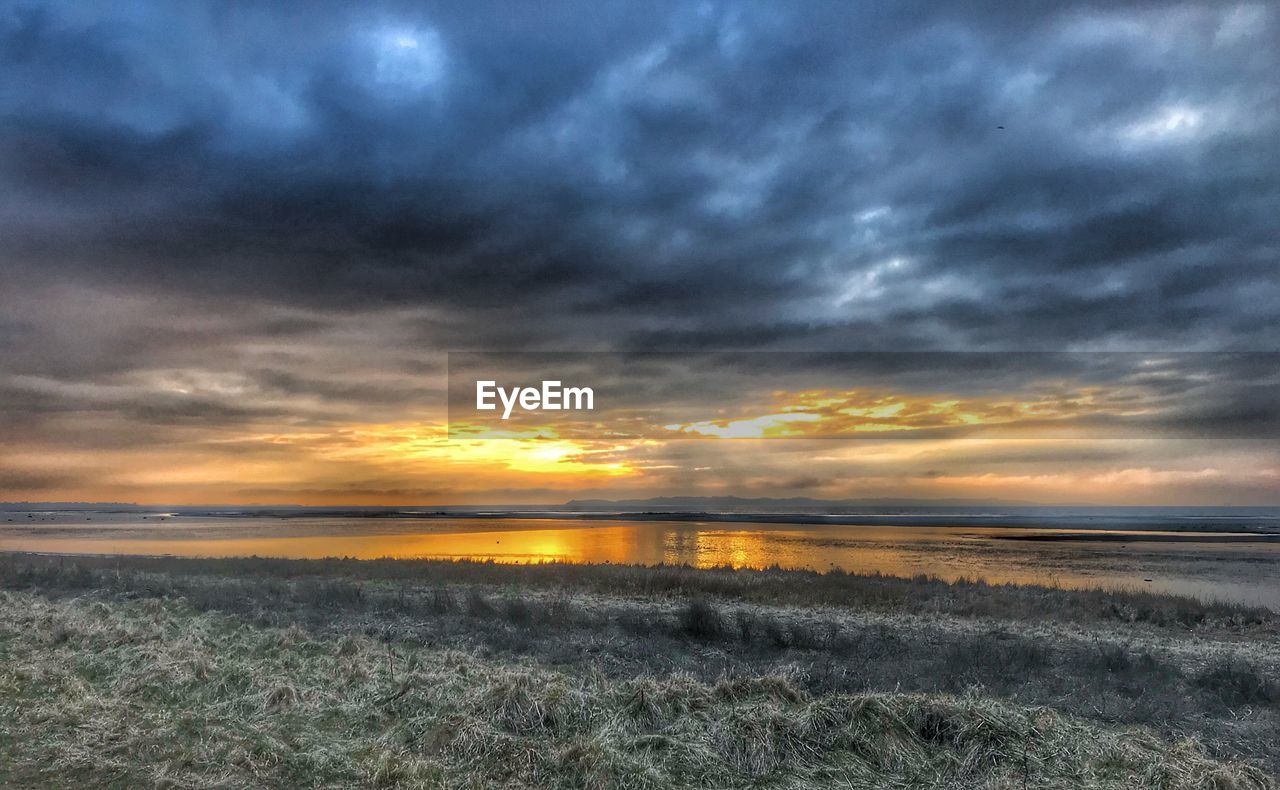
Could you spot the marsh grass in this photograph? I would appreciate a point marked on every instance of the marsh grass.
(867, 592)
(1211, 680)
(155, 693)
(1238, 682)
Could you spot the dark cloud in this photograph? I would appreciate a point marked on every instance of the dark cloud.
(737, 174)
(221, 216)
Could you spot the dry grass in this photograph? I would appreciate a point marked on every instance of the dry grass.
(152, 692)
(1213, 680)
(867, 592)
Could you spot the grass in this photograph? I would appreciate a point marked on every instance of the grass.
(1238, 682)
(871, 592)
(155, 693)
(135, 671)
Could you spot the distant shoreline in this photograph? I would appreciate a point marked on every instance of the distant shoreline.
(1111, 537)
(1244, 521)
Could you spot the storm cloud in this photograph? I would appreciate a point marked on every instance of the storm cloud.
(223, 215)
(1080, 175)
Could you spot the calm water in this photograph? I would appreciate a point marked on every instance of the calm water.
(1228, 564)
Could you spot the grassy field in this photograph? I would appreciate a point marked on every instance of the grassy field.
(240, 673)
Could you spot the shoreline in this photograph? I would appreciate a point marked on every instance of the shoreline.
(1254, 520)
(788, 584)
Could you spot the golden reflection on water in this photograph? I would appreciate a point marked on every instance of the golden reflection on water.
(1229, 570)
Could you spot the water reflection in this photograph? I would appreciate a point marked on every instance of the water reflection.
(1244, 571)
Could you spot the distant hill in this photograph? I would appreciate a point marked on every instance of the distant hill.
(735, 504)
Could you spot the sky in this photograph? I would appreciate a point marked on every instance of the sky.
(240, 240)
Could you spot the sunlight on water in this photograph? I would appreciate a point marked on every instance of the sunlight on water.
(1201, 564)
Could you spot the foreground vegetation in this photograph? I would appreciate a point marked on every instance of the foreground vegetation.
(243, 673)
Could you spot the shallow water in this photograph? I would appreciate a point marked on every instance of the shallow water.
(1234, 566)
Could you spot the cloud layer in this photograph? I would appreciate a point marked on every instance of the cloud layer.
(225, 221)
